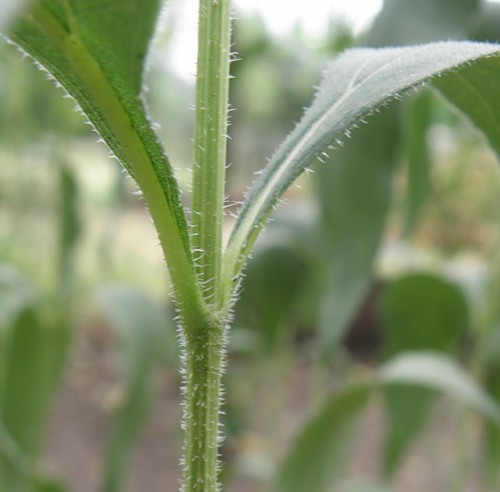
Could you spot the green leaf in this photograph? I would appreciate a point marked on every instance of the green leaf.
(16, 293)
(357, 84)
(422, 312)
(355, 192)
(316, 455)
(274, 279)
(418, 118)
(319, 450)
(33, 356)
(47, 483)
(406, 22)
(441, 373)
(490, 364)
(145, 337)
(486, 27)
(26, 393)
(419, 312)
(473, 92)
(69, 227)
(19, 471)
(96, 50)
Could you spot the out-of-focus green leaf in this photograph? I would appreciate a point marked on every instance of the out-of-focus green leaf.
(145, 334)
(28, 385)
(357, 83)
(34, 354)
(321, 447)
(316, 455)
(406, 22)
(487, 26)
(355, 192)
(491, 431)
(275, 277)
(422, 312)
(418, 119)
(46, 483)
(15, 294)
(419, 312)
(19, 471)
(69, 227)
(441, 373)
(488, 356)
(472, 91)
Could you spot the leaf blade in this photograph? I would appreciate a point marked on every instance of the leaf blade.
(315, 452)
(356, 85)
(96, 49)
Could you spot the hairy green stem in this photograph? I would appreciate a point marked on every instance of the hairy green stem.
(203, 387)
(211, 119)
(204, 343)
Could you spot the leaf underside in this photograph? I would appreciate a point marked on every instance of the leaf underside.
(357, 84)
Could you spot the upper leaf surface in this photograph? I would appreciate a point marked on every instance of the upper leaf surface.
(357, 83)
(115, 33)
(96, 50)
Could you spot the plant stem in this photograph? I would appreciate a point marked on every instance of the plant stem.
(204, 342)
(203, 387)
(211, 120)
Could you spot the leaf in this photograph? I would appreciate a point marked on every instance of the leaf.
(486, 27)
(490, 364)
(16, 293)
(18, 469)
(26, 393)
(145, 335)
(418, 118)
(320, 448)
(357, 84)
(275, 278)
(355, 192)
(69, 227)
(48, 483)
(419, 312)
(33, 356)
(317, 453)
(355, 185)
(472, 91)
(406, 22)
(422, 311)
(441, 373)
(96, 50)
(403, 23)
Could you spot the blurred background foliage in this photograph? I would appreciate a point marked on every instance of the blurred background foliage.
(391, 247)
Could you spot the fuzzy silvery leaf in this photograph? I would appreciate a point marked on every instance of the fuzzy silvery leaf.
(357, 84)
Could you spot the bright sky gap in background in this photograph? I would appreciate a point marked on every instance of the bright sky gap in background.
(280, 16)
